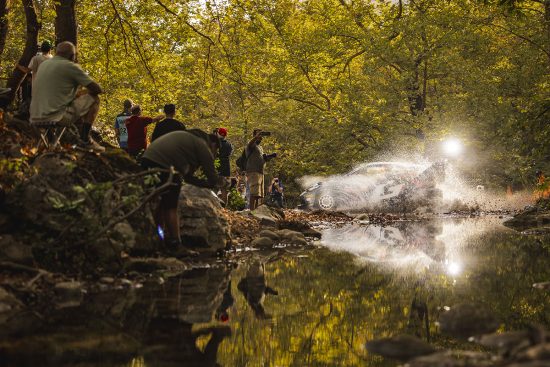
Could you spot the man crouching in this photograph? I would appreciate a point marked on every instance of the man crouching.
(186, 151)
(55, 97)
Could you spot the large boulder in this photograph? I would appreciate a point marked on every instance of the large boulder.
(268, 216)
(202, 223)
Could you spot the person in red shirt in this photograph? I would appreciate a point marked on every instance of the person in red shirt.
(137, 130)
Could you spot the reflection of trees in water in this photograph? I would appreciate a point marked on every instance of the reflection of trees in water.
(328, 306)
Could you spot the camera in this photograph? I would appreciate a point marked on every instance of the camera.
(265, 133)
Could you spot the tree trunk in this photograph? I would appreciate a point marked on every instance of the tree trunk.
(4, 11)
(65, 22)
(547, 21)
(33, 26)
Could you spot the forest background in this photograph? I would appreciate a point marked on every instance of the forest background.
(338, 82)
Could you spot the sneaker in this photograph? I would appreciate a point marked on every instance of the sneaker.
(91, 145)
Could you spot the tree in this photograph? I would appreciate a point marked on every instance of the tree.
(32, 27)
(4, 11)
(65, 22)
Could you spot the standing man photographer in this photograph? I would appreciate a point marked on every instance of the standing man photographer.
(255, 163)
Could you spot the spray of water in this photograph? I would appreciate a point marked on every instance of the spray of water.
(391, 186)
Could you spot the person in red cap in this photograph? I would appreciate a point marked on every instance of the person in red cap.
(225, 152)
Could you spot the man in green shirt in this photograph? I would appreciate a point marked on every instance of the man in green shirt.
(186, 151)
(55, 97)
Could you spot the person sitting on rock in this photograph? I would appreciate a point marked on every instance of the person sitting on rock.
(136, 126)
(186, 151)
(55, 97)
(167, 125)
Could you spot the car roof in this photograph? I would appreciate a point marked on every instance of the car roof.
(390, 164)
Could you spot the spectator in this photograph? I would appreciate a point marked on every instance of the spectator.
(542, 190)
(167, 125)
(55, 97)
(43, 55)
(120, 126)
(186, 151)
(276, 192)
(255, 163)
(226, 150)
(137, 130)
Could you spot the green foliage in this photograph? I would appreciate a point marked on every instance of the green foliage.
(337, 82)
(235, 200)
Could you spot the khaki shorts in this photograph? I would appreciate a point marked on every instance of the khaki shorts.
(78, 108)
(255, 184)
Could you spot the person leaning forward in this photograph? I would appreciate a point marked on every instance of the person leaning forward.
(186, 151)
(55, 97)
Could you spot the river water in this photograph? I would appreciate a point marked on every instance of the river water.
(302, 307)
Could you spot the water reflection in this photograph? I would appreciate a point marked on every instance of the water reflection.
(254, 288)
(410, 245)
(327, 306)
(159, 324)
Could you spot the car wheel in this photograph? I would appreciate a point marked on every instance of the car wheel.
(326, 202)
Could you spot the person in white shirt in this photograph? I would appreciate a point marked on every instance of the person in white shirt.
(45, 54)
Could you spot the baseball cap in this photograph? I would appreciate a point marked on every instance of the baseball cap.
(222, 131)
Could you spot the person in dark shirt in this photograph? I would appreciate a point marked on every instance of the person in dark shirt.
(186, 151)
(136, 126)
(167, 125)
(226, 149)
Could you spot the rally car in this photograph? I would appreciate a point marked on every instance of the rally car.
(385, 186)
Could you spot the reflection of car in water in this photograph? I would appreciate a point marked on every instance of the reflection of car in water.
(392, 186)
(401, 244)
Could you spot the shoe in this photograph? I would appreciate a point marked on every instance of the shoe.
(91, 145)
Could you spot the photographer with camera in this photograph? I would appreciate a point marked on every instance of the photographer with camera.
(255, 163)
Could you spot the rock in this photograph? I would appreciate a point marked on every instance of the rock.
(201, 219)
(543, 231)
(68, 294)
(150, 265)
(267, 215)
(530, 364)
(310, 232)
(542, 285)
(287, 234)
(531, 218)
(541, 351)
(452, 359)
(124, 232)
(8, 303)
(107, 280)
(14, 251)
(504, 341)
(402, 347)
(269, 234)
(262, 242)
(298, 241)
(363, 217)
(465, 320)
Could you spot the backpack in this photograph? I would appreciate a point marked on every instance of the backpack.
(241, 161)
